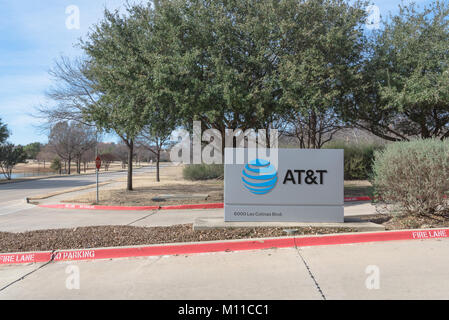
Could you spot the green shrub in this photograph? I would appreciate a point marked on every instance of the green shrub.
(203, 171)
(413, 177)
(358, 159)
(56, 165)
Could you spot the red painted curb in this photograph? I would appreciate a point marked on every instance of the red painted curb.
(177, 207)
(418, 234)
(159, 250)
(351, 199)
(30, 257)
(95, 207)
(195, 206)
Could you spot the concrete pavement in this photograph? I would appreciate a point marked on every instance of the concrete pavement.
(41, 218)
(18, 216)
(12, 195)
(20, 190)
(405, 269)
(401, 269)
(30, 217)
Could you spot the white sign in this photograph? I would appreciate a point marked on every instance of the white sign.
(297, 185)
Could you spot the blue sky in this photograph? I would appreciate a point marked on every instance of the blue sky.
(32, 35)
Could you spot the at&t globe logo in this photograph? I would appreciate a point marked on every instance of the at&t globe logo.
(259, 176)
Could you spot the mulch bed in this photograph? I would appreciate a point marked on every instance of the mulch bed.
(396, 222)
(112, 236)
(416, 223)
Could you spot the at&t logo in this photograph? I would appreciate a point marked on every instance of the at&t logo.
(259, 176)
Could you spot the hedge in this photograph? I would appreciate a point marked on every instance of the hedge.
(203, 171)
(358, 160)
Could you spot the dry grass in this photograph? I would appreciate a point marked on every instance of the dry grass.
(146, 188)
(400, 222)
(358, 188)
(172, 182)
(33, 166)
(357, 183)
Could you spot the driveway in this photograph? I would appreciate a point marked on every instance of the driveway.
(382, 270)
(12, 195)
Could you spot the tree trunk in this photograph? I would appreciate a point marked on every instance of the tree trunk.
(69, 166)
(129, 186)
(314, 129)
(157, 166)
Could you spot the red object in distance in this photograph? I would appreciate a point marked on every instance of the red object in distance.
(98, 162)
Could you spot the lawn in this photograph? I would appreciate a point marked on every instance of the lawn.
(176, 190)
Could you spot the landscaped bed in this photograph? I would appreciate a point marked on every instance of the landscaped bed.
(113, 236)
(144, 195)
(172, 184)
(396, 222)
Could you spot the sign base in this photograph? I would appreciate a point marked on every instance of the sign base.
(293, 213)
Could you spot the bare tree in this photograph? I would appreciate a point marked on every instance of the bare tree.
(86, 141)
(87, 157)
(121, 153)
(312, 129)
(107, 159)
(70, 141)
(77, 96)
(72, 92)
(46, 154)
(154, 142)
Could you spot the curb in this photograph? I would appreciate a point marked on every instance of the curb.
(175, 207)
(352, 199)
(223, 246)
(125, 208)
(194, 206)
(95, 207)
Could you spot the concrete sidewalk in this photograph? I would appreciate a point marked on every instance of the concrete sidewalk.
(29, 217)
(12, 196)
(406, 269)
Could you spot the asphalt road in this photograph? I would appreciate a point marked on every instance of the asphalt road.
(12, 195)
(414, 269)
